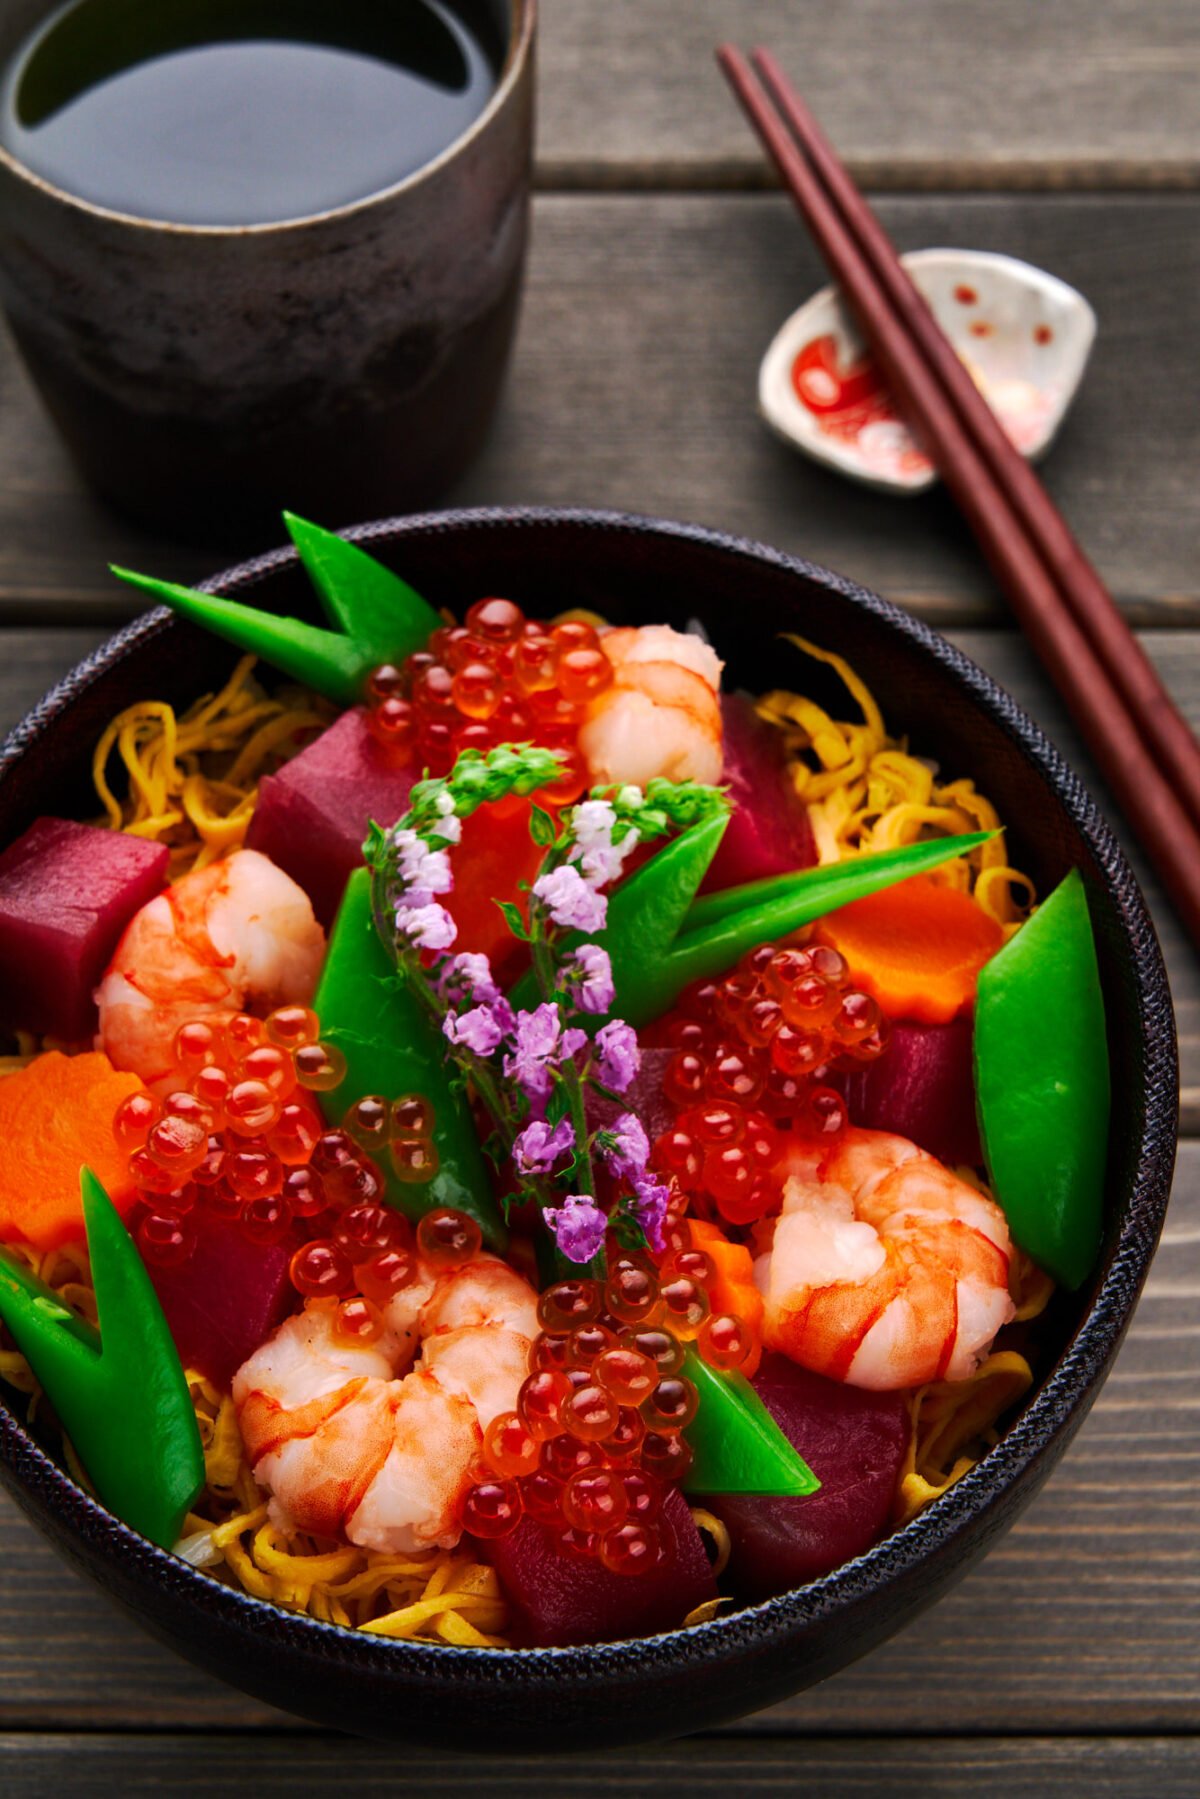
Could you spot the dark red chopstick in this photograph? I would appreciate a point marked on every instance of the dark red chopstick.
(1129, 668)
(1109, 723)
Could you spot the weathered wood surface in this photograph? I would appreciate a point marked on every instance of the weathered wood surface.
(930, 93)
(634, 386)
(858, 1767)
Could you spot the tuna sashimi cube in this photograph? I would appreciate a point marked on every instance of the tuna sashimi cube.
(854, 1442)
(644, 1096)
(557, 1596)
(769, 832)
(67, 891)
(312, 814)
(225, 1299)
(922, 1087)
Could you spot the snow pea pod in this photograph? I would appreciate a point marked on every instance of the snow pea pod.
(392, 1048)
(119, 1391)
(1042, 1083)
(737, 1446)
(660, 937)
(377, 617)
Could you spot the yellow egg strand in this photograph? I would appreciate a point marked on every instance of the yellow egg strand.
(441, 1595)
(193, 779)
(866, 792)
(954, 1423)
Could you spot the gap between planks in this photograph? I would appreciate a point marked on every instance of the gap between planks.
(899, 175)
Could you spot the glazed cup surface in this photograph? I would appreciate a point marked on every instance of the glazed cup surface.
(635, 570)
(203, 377)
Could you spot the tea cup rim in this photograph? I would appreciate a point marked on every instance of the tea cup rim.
(516, 60)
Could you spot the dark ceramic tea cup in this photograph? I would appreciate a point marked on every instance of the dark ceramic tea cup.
(203, 376)
(602, 1695)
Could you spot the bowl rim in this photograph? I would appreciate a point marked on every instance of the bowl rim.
(1059, 1402)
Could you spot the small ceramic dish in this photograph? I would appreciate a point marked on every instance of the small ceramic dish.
(1024, 335)
(603, 1695)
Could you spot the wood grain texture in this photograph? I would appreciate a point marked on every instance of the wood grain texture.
(927, 94)
(853, 1768)
(634, 386)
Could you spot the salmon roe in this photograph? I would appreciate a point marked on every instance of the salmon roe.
(241, 1139)
(498, 677)
(753, 1056)
(596, 1439)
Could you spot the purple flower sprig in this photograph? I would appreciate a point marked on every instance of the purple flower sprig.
(411, 872)
(531, 1068)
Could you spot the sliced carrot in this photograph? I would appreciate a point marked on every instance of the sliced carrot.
(56, 1116)
(732, 1288)
(916, 948)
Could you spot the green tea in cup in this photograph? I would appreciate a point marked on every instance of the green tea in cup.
(265, 253)
(244, 112)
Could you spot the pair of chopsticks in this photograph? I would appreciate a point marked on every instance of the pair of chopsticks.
(1140, 742)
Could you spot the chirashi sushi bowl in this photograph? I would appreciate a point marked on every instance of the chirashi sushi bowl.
(581, 1244)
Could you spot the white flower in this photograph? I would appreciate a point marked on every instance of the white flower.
(423, 871)
(569, 900)
(428, 927)
(600, 859)
(592, 821)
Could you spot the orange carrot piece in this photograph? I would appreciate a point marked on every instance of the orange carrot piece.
(56, 1115)
(732, 1288)
(916, 948)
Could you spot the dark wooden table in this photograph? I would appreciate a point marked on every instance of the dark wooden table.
(1068, 134)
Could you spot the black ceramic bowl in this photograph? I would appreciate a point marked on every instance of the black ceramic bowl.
(641, 570)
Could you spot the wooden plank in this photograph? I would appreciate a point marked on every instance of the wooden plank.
(931, 93)
(634, 386)
(1085, 1618)
(1104, 1767)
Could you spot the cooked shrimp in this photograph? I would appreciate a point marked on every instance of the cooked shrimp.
(351, 1445)
(886, 1269)
(661, 715)
(237, 935)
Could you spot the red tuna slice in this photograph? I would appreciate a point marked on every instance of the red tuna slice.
(223, 1301)
(67, 891)
(644, 1096)
(312, 814)
(558, 1596)
(854, 1442)
(922, 1087)
(495, 854)
(769, 832)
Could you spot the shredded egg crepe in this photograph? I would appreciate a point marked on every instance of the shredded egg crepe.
(865, 792)
(193, 778)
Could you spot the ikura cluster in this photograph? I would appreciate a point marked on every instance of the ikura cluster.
(372, 1253)
(753, 1053)
(362, 1252)
(497, 678)
(597, 1436)
(236, 1136)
